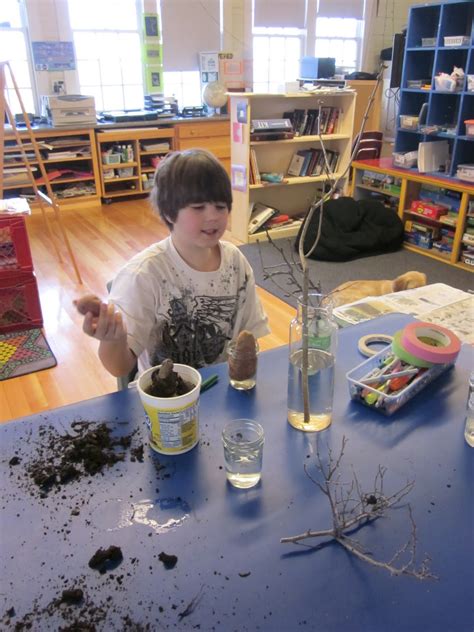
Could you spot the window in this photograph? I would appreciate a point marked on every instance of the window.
(108, 52)
(276, 57)
(184, 86)
(340, 38)
(13, 49)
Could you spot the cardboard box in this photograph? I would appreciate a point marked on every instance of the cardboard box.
(434, 211)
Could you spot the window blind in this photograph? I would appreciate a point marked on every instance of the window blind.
(188, 27)
(341, 9)
(280, 13)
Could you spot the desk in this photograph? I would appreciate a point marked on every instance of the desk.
(230, 560)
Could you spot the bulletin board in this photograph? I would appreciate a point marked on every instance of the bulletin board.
(54, 56)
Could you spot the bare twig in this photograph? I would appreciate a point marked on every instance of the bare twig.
(351, 508)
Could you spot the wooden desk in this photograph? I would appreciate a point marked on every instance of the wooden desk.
(231, 566)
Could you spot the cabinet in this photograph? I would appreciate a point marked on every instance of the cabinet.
(294, 194)
(70, 161)
(128, 158)
(211, 135)
(448, 237)
(439, 37)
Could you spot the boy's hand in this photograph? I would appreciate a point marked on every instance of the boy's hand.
(101, 321)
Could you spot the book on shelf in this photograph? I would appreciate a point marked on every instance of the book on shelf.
(254, 170)
(259, 214)
(296, 164)
(271, 125)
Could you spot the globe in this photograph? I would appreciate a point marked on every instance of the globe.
(214, 95)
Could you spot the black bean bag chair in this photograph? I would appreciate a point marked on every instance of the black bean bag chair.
(352, 229)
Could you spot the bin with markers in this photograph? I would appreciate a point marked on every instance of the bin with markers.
(418, 354)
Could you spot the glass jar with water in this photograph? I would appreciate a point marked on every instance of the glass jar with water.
(313, 334)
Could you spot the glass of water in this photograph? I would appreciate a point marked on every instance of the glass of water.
(243, 452)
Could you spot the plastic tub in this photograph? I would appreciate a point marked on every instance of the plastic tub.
(408, 121)
(405, 160)
(456, 40)
(384, 402)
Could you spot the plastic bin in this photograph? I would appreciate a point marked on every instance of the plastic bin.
(405, 160)
(409, 122)
(20, 306)
(456, 40)
(388, 403)
(428, 41)
(15, 251)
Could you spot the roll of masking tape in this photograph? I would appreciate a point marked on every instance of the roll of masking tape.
(401, 353)
(372, 339)
(431, 343)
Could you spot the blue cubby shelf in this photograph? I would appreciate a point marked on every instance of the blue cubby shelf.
(428, 24)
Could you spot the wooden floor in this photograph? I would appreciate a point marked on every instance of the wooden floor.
(103, 238)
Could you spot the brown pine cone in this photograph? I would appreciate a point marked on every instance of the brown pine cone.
(243, 357)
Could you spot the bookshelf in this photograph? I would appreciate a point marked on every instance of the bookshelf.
(128, 158)
(448, 238)
(439, 37)
(293, 195)
(69, 159)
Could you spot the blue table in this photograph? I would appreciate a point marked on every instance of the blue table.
(232, 571)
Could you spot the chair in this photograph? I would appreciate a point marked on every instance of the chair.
(370, 145)
(124, 380)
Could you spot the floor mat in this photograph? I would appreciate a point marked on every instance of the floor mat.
(23, 352)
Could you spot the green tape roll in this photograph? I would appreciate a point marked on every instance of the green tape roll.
(404, 355)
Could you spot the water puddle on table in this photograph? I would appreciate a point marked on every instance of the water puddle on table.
(161, 514)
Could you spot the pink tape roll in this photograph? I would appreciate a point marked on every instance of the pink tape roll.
(445, 347)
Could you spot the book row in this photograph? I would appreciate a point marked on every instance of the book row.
(312, 162)
(314, 121)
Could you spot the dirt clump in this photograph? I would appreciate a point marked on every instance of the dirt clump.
(106, 559)
(86, 450)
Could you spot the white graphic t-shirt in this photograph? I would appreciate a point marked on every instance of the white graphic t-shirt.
(173, 311)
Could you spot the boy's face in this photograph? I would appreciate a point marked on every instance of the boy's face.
(201, 224)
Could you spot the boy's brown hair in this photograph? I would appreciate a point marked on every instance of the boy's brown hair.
(188, 177)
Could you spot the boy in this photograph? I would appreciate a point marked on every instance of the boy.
(186, 296)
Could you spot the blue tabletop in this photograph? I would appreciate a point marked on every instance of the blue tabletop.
(232, 571)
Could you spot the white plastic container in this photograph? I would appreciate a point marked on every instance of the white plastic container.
(456, 40)
(173, 422)
(408, 121)
(387, 403)
(405, 160)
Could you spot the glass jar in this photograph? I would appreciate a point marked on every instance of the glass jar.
(318, 336)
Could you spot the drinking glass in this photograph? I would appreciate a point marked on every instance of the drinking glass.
(243, 452)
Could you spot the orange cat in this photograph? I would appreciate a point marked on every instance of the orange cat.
(357, 290)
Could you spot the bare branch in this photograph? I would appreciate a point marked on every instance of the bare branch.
(352, 508)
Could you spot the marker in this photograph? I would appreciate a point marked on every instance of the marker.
(209, 382)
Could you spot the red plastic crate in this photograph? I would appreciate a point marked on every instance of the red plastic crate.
(15, 254)
(20, 306)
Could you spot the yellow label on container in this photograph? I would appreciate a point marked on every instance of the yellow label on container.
(173, 431)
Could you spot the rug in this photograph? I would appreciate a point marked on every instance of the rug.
(23, 352)
(275, 259)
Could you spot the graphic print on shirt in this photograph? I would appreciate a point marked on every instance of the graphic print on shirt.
(197, 328)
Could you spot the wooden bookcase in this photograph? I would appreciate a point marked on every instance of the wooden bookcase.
(70, 158)
(294, 195)
(130, 175)
(411, 184)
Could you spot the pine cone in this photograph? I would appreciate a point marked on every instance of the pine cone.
(243, 357)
